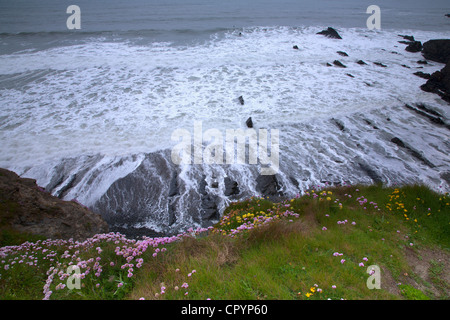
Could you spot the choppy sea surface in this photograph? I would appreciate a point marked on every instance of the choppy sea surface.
(90, 113)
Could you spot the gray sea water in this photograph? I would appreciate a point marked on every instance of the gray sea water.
(89, 113)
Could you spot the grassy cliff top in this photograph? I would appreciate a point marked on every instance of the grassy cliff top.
(321, 245)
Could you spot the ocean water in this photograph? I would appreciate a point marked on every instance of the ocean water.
(90, 113)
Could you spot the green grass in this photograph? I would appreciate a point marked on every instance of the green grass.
(286, 251)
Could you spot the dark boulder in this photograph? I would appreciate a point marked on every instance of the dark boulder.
(342, 53)
(330, 33)
(422, 62)
(249, 122)
(295, 47)
(361, 62)
(414, 46)
(437, 50)
(241, 100)
(337, 63)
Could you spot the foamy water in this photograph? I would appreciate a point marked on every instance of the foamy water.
(115, 98)
(103, 105)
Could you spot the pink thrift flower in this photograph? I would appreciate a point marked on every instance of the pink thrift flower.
(342, 261)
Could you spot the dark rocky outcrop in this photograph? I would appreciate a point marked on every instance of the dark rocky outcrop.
(361, 62)
(342, 53)
(231, 187)
(380, 64)
(437, 50)
(295, 47)
(330, 33)
(241, 100)
(26, 207)
(439, 83)
(210, 211)
(249, 122)
(269, 186)
(414, 46)
(406, 37)
(413, 152)
(337, 63)
(422, 75)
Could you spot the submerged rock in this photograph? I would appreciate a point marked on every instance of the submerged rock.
(406, 37)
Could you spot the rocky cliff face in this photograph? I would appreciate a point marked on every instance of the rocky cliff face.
(439, 82)
(25, 207)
